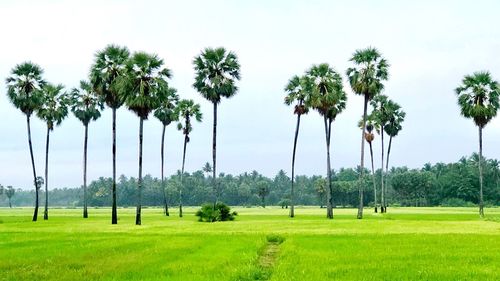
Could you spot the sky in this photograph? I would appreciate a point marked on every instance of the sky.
(430, 46)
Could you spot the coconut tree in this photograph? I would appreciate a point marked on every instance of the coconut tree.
(9, 192)
(145, 74)
(297, 94)
(216, 72)
(109, 65)
(53, 111)
(366, 79)
(22, 89)
(167, 114)
(186, 110)
(86, 106)
(478, 98)
(328, 97)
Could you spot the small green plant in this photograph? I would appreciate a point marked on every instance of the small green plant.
(222, 212)
(274, 238)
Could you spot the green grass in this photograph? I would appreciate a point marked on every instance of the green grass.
(405, 244)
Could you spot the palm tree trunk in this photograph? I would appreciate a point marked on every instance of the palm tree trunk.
(214, 154)
(114, 216)
(292, 195)
(362, 165)
(165, 204)
(182, 175)
(35, 213)
(373, 178)
(382, 186)
(46, 210)
(387, 172)
(481, 202)
(10, 204)
(139, 182)
(329, 199)
(85, 212)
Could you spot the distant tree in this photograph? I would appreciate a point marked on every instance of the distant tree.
(9, 192)
(145, 74)
(478, 97)
(109, 65)
(320, 187)
(186, 110)
(329, 99)
(263, 191)
(216, 72)
(53, 111)
(366, 78)
(207, 169)
(166, 113)
(296, 93)
(1, 189)
(369, 137)
(86, 106)
(22, 90)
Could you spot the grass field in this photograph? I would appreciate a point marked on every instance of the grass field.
(405, 244)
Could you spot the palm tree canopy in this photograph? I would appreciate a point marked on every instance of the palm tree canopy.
(383, 109)
(397, 117)
(85, 104)
(325, 87)
(296, 92)
(370, 70)
(23, 85)
(166, 112)
(55, 105)
(186, 110)
(478, 97)
(141, 84)
(109, 64)
(216, 72)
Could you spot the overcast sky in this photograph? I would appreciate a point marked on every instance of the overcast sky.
(430, 45)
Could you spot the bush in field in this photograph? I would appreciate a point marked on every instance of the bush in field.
(222, 212)
(456, 202)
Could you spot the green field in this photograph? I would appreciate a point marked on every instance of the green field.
(405, 244)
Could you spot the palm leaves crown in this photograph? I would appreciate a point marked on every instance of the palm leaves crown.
(55, 105)
(85, 104)
(23, 85)
(187, 109)
(370, 70)
(168, 100)
(216, 71)
(296, 92)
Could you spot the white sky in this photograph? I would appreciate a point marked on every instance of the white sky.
(431, 45)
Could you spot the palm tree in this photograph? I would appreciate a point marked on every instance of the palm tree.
(9, 192)
(53, 111)
(366, 80)
(86, 106)
(145, 76)
(392, 128)
(186, 110)
(329, 99)
(478, 97)
(369, 137)
(296, 94)
(216, 73)
(22, 90)
(109, 65)
(166, 113)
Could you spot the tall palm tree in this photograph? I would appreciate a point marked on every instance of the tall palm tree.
(329, 99)
(86, 106)
(145, 76)
(166, 113)
(216, 73)
(366, 79)
(22, 89)
(297, 94)
(186, 110)
(109, 65)
(53, 111)
(478, 97)
(369, 137)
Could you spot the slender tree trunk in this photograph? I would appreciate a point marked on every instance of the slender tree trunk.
(35, 213)
(182, 175)
(329, 198)
(85, 212)
(46, 210)
(139, 182)
(373, 178)
(292, 195)
(165, 204)
(382, 186)
(387, 172)
(10, 204)
(362, 166)
(481, 202)
(114, 216)
(214, 155)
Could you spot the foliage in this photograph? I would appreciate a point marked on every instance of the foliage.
(85, 104)
(168, 99)
(54, 107)
(370, 70)
(222, 212)
(186, 110)
(23, 87)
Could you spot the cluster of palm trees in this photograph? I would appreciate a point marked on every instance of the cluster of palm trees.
(140, 82)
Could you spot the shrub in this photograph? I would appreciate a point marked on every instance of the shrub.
(274, 238)
(222, 212)
(456, 202)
